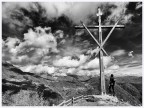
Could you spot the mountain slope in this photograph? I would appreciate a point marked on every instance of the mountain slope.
(44, 89)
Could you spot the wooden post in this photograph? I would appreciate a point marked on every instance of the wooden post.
(100, 44)
(102, 77)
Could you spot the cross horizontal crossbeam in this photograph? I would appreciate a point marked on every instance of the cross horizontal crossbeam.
(100, 43)
(102, 26)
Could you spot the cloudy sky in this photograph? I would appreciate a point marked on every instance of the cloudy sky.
(39, 36)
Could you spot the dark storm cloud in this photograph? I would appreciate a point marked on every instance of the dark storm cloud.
(18, 18)
(130, 37)
(40, 51)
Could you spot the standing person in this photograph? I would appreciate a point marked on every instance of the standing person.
(111, 84)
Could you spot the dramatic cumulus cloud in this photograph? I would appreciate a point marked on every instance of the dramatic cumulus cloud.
(37, 44)
(95, 63)
(9, 13)
(36, 49)
(139, 5)
(69, 62)
(18, 17)
(75, 11)
(119, 12)
(38, 69)
(82, 66)
(114, 67)
(118, 52)
(10, 42)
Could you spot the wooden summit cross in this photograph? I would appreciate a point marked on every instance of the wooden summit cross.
(100, 44)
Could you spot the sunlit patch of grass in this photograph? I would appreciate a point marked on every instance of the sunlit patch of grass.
(24, 98)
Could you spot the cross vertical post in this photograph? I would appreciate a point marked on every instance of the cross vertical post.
(100, 44)
(102, 76)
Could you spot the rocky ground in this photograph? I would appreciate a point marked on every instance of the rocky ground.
(101, 100)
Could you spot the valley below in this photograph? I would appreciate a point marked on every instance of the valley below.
(32, 89)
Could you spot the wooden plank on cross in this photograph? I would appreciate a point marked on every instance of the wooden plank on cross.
(102, 26)
(101, 47)
(93, 37)
(100, 44)
(102, 76)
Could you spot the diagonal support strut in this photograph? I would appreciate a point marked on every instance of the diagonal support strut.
(100, 44)
(101, 47)
(93, 37)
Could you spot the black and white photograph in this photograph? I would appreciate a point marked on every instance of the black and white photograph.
(71, 53)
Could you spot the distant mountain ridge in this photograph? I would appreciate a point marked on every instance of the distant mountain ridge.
(48, 90)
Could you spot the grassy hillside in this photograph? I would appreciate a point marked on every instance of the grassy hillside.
(23, 88)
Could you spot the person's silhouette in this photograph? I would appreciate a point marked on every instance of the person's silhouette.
(111, 84)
